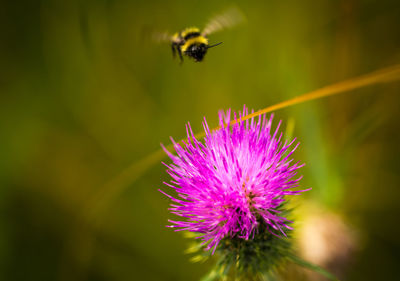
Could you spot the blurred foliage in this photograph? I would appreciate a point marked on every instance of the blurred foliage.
(84, 95)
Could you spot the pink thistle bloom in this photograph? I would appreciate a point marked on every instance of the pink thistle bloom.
(234, 182)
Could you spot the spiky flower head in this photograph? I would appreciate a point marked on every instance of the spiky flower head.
(235, 182)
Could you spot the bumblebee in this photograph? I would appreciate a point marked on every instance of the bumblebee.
(193, 43)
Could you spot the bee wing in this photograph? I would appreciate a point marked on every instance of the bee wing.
(227, 19)
(161, 37)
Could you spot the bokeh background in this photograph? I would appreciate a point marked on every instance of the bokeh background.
(84, 95)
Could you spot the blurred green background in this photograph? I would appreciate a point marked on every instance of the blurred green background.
(83, 95)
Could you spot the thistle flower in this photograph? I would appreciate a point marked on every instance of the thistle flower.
(234, 183)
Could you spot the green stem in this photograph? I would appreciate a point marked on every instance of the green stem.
(313, 267)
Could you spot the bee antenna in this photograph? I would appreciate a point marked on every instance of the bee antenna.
(214, 45)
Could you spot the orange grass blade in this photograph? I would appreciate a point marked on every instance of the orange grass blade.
(381, 76)
(116, 185)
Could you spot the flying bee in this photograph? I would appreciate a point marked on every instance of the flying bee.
(194, 43)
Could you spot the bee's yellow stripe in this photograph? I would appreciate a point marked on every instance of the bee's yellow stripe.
(189, 30)
(196, 40)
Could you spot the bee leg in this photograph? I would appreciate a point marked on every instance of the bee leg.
(180, 53)
(173, 47)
